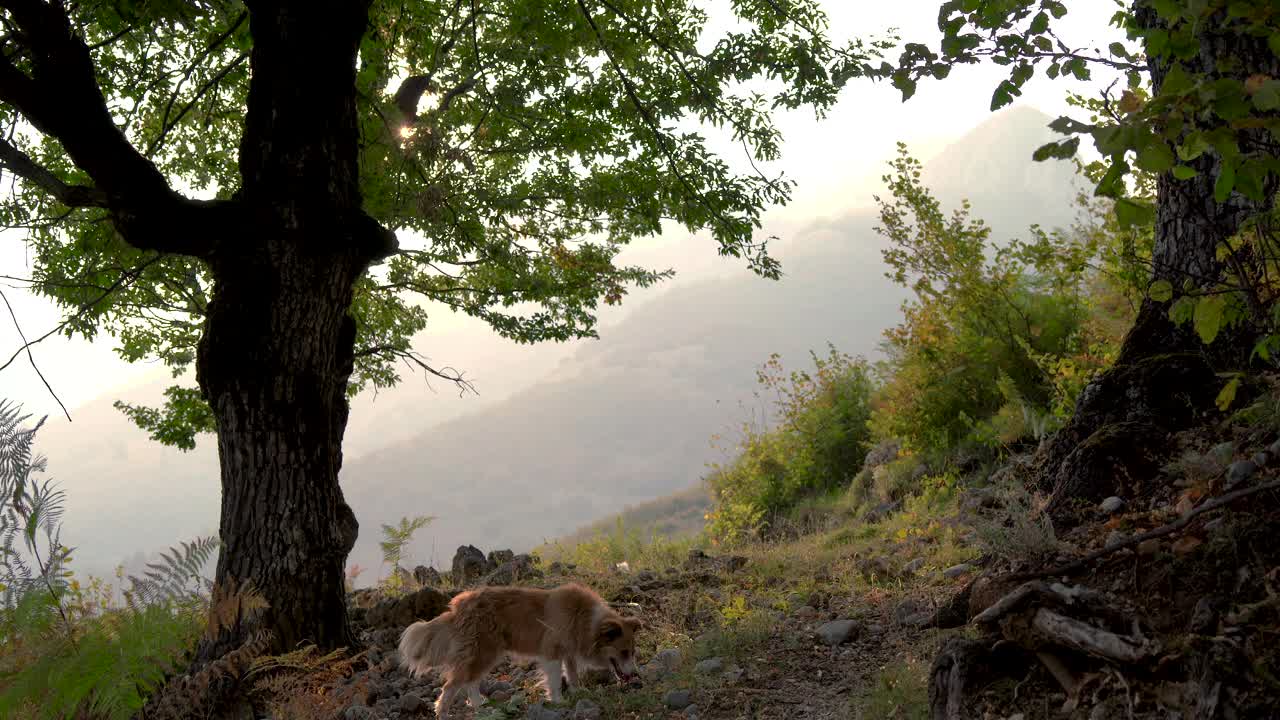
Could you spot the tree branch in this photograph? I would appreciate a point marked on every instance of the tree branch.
(1159, 532)
(21, 164)
(61, 98)
(31, 358)
(450, 374)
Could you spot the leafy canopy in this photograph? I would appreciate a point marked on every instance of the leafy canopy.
(1220, 105)
(515, 146)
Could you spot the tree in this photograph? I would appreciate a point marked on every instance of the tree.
(1199, 110)
(259, 189)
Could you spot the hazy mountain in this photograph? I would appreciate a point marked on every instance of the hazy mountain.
(563, 435)
(629, 418)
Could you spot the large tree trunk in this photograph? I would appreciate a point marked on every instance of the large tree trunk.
(1164, 376)
(278, 345)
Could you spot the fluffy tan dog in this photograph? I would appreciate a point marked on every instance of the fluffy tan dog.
(565, 629)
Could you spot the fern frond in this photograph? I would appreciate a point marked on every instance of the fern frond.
(178, 574)
(232, 604)
(201, 694)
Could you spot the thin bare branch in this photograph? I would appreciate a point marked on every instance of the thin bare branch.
(30, 357)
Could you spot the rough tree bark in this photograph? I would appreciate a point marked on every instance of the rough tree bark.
(278, 345)
(285, 254)
(1163, 376)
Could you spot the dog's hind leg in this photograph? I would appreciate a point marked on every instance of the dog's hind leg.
(447, 696)
(473, 695)
(551, 669)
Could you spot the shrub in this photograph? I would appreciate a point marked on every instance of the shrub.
(816, 445)
(1000, 339)
(1018, 529)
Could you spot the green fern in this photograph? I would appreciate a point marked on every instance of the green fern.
(58, 657)
(177, 576)
(397, 537)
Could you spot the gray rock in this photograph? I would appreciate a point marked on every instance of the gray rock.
(411, 704)
(709, 666)
(498, 558)
(1112, 505)
(691, 712)
(538, 711)
(1240, 471)
(469, 565)
(914, 566)
(1261, 458)
(1223, 451)
(1116, 537)
(956, 571)
(394, 615)
(427, 576)
(733, 674)
(678, 699)
(489, 686)
(520, 568)
(666, 660)
(586, 710)
(1274, 448)
(881, 511)
(837, 631)
(359, 712)
(910, 613)
(885, 452)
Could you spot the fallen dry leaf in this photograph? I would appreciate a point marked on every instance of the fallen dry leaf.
(1186, 544)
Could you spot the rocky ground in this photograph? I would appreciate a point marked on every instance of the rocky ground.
(957, 604)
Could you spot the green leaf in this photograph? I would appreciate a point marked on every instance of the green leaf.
(1184, 172)
(1195, 145)
(1227, 395)
(1267, 97)
(1068, 126)
(906, 85)
(1130, 213)
(1155, 156)
(1061, 150)
(1177, 82)
(1039, 24)
(1161, 291)
(1004, 94)
(1249, 180)
(1274, 43)
(1207, 320)
(1225, 183)
(1182, 309)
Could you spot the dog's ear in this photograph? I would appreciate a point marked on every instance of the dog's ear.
(610, 630)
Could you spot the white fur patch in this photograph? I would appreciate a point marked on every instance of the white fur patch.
(552, 670)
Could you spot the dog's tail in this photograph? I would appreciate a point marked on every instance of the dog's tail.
(424, 645)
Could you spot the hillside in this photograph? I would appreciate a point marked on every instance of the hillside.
(584, 429)
(629, 418)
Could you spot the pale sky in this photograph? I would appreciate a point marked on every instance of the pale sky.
(837, 163)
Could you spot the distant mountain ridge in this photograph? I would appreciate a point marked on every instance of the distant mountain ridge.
(629, 418)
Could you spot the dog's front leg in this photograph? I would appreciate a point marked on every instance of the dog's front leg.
(571, 671)
(551, 669)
